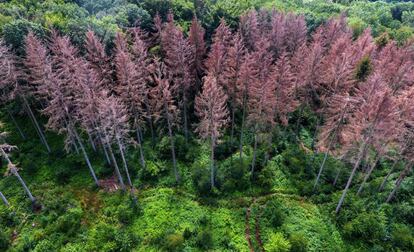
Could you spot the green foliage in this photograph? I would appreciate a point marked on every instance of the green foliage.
(277, 243)
(364, 66)
(15, 31)
(4, 240)
(370, 227)
(402, 237)
(298, 242)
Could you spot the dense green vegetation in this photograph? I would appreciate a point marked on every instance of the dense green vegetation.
(278, 210)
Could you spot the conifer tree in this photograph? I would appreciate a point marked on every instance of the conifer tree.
(211, 108)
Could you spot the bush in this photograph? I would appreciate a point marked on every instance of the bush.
(173, 242)
(274, 213)
(298, 242)
(4, 240)
(370, 227)
(277, 243)
(205, 240)
(402, 237)
(45, 246)
(70, 222)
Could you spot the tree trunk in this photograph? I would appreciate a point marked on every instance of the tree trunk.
(400, 179)
(85, 155)
(170, 133)
(118, 173)
(232, 127)
(384, 182)
(212, 163)
(108, 160)
(361, 187)
(36, 124)
(254, 153)
(16, 173)
(4, 199)
(331, 141)
(348, 184)
(17, 126)
(337, 177)
(29, 194)
(141, 151)
(91, 141)
(185, 119)
(241, 133)
(121, 151)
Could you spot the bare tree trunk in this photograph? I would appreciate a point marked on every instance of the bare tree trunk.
(212, 163)
(185, 119)
(16, 173)
(85, 155)
(118, 173)
(141, 151)
(337, 177)
(108, 160)
(36, 124)
(170, 133)
(331, 141)
(121, 151)
(384, 182)
(29, 194)
(17, 126)
(348, 184)
(400, 179)
(361, 187)
(91, 141)
(4, 199)
(254, 152)
(242, 132)
(232, 127)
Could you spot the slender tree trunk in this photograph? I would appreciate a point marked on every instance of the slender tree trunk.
(348, 184)
(141, 151)
(242, 132)
(384, 182)
(212, 163)
(4, 199)
(17, 126)
(400, 179)
(108, 160)
(337, 177)
(331, 141)
(254, 152)
(170, 133)
(185, 119)
(16, 173)
(232, 126)
(118, 173)
(29, 194)
(361, 187)
(85, 155)
(91, 140)
(36, 124)
(121, 151)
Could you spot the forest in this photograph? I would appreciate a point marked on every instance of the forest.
(206, 125)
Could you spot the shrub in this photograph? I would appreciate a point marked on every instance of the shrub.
(370, 227)
(205, 240)
(45, 246)
(298, 242)
(70, 222)
(4, 240)
(173, 242)
(274, 213)
(402, 237)
(277, 243)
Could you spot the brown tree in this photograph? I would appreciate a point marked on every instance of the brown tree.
(211, 108)
(164, 106)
